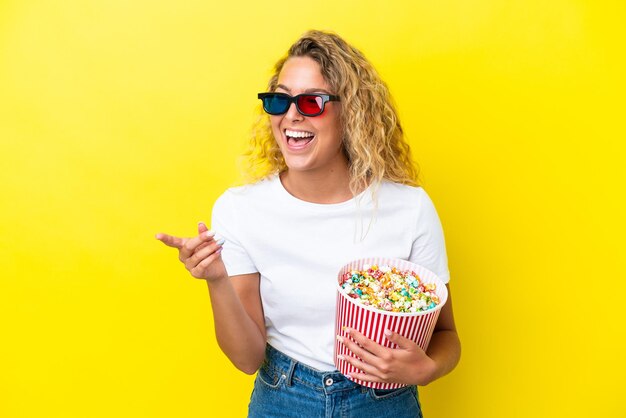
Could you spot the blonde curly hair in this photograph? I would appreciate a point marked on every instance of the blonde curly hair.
(373, 140)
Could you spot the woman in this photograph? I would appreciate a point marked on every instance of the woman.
(335, 182)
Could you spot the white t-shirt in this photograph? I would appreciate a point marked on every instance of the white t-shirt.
(298, 248)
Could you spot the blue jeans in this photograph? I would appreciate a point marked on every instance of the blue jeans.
(289, 389)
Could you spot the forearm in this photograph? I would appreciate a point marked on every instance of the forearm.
(237, 334)
(445, 350)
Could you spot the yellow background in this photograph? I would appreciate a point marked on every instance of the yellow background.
(121, 119)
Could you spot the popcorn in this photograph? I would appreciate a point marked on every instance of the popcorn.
(389, 289)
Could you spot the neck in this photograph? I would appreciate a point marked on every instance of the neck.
(329, 186)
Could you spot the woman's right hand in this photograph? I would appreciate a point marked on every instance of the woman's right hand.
(200, 255)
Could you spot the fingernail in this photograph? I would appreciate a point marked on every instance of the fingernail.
(388, 333)
(349, 376)
(340, 357)
(339, 338)
(210, 233)
(201, 223)
(346, 329)
(221, 241)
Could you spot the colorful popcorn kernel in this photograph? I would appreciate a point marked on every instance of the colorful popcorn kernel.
(389, 289)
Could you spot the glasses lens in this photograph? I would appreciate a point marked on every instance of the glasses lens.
(310, 104)
(275, 104)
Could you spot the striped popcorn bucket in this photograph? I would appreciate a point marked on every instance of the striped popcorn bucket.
(372, 322)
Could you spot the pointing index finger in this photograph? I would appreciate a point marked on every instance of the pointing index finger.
(170, 240)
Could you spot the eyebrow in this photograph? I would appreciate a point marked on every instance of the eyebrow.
(311, 90)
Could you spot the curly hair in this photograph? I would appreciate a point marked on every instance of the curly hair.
(373, 140)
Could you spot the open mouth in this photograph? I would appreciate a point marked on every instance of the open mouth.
(298, 139)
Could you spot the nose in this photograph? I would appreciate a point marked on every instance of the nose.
(292, 113)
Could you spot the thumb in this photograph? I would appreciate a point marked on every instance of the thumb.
(202, 227)
(400, 341)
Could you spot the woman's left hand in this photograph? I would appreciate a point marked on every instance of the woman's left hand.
(407, 364)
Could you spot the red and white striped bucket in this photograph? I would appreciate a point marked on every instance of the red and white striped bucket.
(372, 322)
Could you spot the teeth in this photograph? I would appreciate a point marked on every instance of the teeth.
(298, 134)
